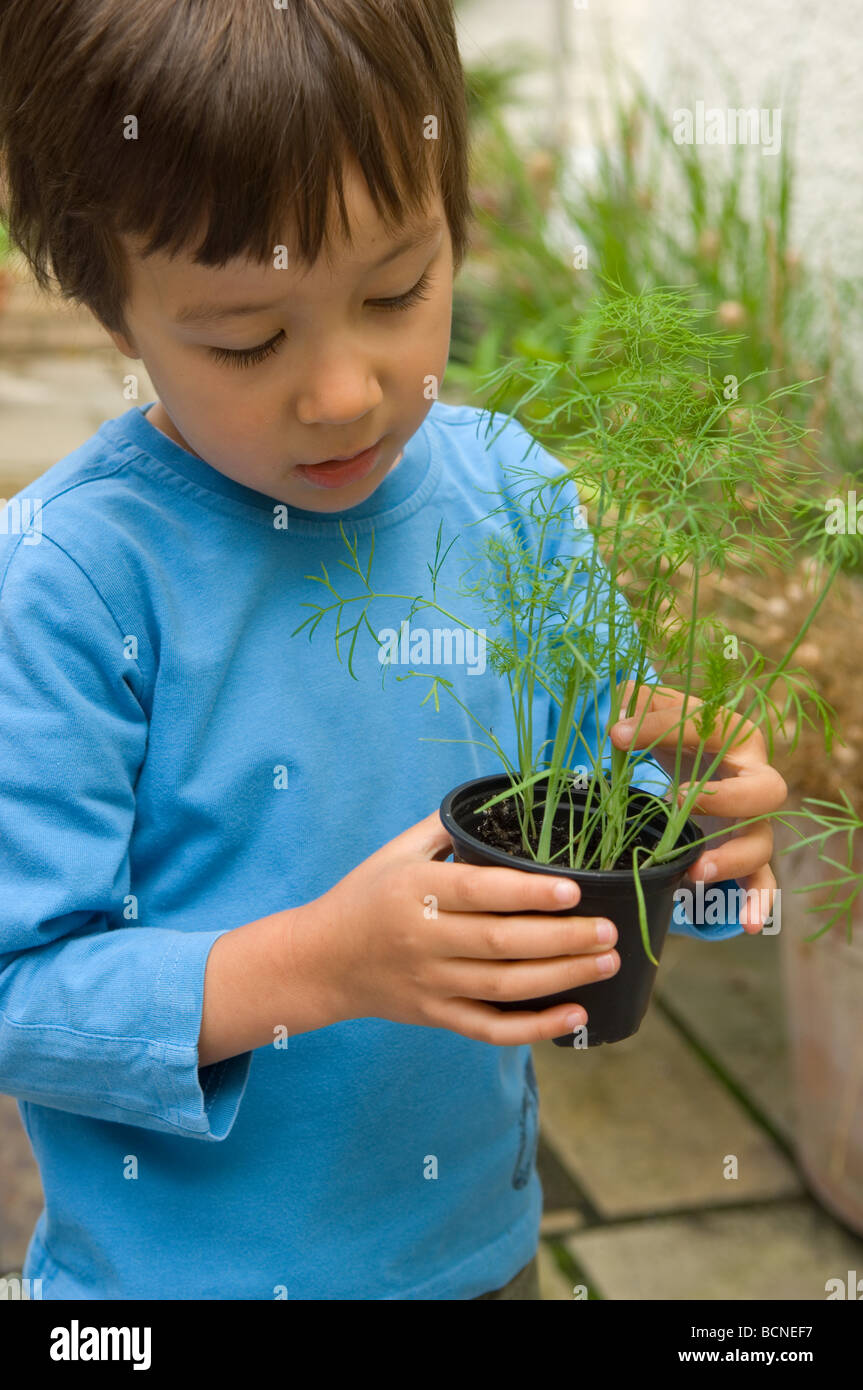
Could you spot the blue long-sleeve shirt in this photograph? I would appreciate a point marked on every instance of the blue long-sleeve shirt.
(176, 764)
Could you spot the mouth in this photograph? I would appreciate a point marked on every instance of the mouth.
(338, 472)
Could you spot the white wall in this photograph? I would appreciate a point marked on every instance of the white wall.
(775, 50)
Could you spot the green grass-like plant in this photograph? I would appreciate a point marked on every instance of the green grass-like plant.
(591, 575)
(645, 211)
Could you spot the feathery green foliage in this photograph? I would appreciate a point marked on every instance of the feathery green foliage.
(676, 485)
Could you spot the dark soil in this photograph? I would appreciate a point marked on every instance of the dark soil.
(499, 828)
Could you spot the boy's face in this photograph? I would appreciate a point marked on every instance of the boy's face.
(343, 372)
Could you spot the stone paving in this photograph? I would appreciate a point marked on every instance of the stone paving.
(635, 1138)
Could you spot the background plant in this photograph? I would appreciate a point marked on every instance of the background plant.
(649, 212)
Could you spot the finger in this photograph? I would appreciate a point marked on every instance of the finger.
(510, 980)
(657, 718)
(427, 839)
(761, 890)
(489, 888)
(485, 937)
(738, 857)
(753, 791)
(657, 714)
(661, 699)
(662, 729)
(485, 1023)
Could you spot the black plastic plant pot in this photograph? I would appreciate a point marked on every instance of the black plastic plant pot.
(615, 1007)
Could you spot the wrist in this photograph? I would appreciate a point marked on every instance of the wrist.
(310, 980)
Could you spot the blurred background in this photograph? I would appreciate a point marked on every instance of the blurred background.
(719, 1152)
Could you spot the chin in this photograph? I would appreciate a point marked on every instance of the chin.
(341, 498)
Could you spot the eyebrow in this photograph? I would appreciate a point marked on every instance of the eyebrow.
(210, 312)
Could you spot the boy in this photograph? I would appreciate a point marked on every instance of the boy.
(248, 1064)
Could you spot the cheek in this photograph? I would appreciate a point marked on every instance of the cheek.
(227, 430)
(442, 305)
(429, 343)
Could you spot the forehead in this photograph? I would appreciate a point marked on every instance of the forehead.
(188, 289)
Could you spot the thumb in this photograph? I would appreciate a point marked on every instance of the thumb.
(427, 839)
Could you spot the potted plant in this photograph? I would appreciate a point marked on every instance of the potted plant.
(675, 482)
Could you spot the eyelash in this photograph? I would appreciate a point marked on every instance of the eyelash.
(250, 357)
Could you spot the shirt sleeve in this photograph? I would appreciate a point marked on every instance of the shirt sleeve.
(98, 1016)
(719, 907)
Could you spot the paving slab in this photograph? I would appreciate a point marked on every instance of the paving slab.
(559, 1190)
(553, 1283)
(20, 1188)
(562, 1222)
(787, 1250)
(644, 1127)
(52, 403)
(729, 996)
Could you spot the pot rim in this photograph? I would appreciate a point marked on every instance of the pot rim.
(500, 858)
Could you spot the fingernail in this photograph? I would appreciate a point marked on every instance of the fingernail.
(605, 964)
(604, 930)
(567, 892)
(709, 871)
(624, 732)
(576, 1019)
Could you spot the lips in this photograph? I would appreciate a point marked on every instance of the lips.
(340, 471)
(343, 458)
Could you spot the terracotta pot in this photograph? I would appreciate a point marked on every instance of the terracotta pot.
(823, 982)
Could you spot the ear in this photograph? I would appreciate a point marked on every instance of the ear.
(123, 344)
(120, 337)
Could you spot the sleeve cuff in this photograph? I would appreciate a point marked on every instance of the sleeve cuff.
(203, 1102)
(708, 911)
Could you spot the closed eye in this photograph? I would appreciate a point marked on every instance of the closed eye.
(246, 357)
(404, 301)
(249, 357)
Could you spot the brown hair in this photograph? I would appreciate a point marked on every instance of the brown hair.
(243, 110)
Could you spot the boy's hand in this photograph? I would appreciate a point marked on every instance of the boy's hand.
(407, 937)
(746, 785)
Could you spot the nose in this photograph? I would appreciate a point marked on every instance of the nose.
(338, 387)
